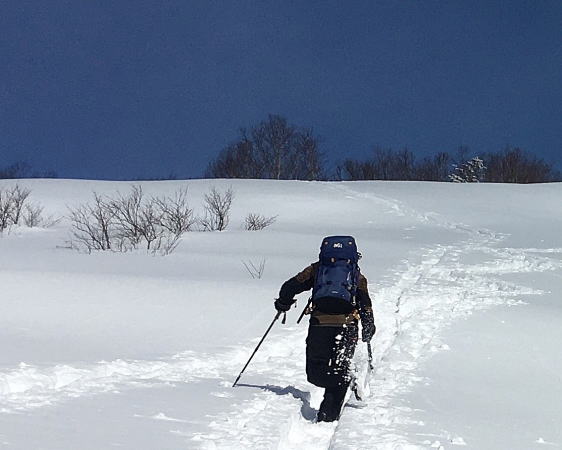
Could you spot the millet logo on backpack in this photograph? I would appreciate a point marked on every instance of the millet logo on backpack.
(338, 245)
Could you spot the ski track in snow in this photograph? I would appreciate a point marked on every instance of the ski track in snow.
(424, 297)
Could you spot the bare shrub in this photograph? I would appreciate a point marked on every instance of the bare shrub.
(19, 196)
(256, 222)
(175, 214)
(255, 270)
(150, 225)
(128, 218)
(16, 209)
(130, 221)
(33, 215)
(6, 207)
(158, 221)
(217, 210)
(93, 225)
(12, 203)
(165, 244)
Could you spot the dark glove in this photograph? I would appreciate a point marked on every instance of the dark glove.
(283, 305)
(368, 326)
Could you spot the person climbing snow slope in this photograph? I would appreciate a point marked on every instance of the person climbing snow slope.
(340, 298)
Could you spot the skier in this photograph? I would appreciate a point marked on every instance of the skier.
(339, 299)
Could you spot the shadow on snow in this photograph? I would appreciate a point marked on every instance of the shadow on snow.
(307, 411)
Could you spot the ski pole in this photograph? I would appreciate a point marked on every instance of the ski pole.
(370, 352)
(262, 339)
(304, 310)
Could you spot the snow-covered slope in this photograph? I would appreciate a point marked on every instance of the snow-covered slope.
(135, 351)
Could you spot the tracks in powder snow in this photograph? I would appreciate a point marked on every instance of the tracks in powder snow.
(424, 297)
(427, 298)
(410, 313)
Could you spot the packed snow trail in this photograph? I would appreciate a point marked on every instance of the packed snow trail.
(410, 315)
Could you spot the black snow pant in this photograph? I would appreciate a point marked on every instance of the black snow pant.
(329, 350)
(331, 405)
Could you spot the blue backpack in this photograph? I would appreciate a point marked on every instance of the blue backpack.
(338, 274)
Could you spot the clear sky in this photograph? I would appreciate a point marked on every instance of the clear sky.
(125, 89)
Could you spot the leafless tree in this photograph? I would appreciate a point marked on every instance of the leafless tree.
(273, 149)
(238, 160)
(434, 168)
(357, 170)
(441, 166)
(383, 160)
(385, 164)
(217, 210)
(403, 165)
(256, 222)
(513, 165)
(307, 163)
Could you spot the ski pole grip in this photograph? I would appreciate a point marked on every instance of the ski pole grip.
(304, 310)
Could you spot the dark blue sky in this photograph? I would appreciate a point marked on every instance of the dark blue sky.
(122, 89)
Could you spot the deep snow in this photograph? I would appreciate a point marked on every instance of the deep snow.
(137, 351)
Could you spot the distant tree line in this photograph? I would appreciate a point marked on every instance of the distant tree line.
(23, 169)
(275, 149)
(388, 164)
(510, 165)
